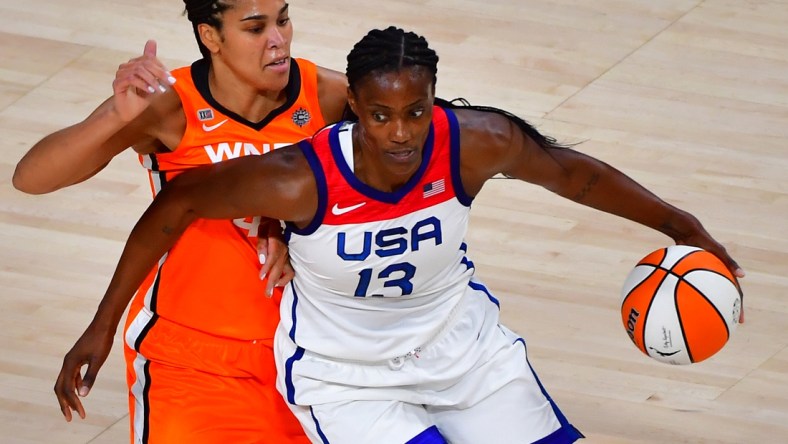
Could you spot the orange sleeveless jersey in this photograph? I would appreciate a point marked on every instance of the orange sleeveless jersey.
(209, 280)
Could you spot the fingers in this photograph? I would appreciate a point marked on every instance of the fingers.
(262, 255)
(733, 266)
(145, 73)
(90, 377)
(150, 48)
(275, 264)
(65, 390)
(741, 296)
(287, 275)
(277, 269)
(272, 251)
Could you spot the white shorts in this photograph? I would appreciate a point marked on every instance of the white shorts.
(473, 382)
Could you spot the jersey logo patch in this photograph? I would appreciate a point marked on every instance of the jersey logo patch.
(337, 211)
(205, 114)
(301, 117)
(209, 128)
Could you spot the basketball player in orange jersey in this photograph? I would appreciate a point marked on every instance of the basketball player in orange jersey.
(198, 337)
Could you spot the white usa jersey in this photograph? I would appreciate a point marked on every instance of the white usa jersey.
(378, 273)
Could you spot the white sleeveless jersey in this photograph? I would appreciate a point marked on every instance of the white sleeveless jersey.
(378, 273)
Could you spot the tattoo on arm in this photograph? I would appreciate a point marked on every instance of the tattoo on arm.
(668, 229)
(167, 230)
(587, 188)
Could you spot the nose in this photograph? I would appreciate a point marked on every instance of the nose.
(275, 39)
(400, 132)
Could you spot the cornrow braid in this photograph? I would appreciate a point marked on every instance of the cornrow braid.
(392, 49)
(529, 130)
(208, 12)
(389, 50)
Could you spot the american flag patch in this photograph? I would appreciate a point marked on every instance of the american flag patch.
(434, 188)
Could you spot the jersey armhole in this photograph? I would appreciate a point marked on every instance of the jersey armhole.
(322, 192)
(454, 150)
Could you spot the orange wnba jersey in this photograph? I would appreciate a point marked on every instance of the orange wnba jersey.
(209, 280)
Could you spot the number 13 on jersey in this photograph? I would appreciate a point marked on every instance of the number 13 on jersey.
(397, 241)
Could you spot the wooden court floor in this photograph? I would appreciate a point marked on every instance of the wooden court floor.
(689, 97)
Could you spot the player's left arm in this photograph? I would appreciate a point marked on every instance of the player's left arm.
(492, 143)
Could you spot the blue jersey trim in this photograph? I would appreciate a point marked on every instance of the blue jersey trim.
(430, 435)
(567, 433)
(320, 433)
(293, 312)
(465, 261)
(322, 193)
(299, 353)
(476, 285)
(361, 187)
(454, 158)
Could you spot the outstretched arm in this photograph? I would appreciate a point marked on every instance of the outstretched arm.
(494, 144)
(279, 185)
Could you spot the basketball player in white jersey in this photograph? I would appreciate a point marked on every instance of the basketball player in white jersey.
(386, 336)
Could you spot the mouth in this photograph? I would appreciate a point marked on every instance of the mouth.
(402, 155)
(279, 62)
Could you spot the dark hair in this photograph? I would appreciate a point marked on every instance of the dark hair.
(393, 49)
(389, 50)
(208, 12)
(525, 127)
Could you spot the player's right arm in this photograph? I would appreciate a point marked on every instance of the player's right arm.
(279, 185)
(75, 153)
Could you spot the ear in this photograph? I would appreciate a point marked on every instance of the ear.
(210, 37)
(351, 101)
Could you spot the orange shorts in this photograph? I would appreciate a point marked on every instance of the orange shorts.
(188, 386)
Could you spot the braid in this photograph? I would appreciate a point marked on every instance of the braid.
(392, 49)
(389, 50)
(208, 12)
(542, 140)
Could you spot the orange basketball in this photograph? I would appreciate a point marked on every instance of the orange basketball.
(680, 304)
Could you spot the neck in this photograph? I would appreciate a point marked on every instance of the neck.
(240, 97)
(368, 169)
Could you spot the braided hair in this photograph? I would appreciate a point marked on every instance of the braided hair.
(389, 50)
(392, 49)
(208, 12)
(529, 130)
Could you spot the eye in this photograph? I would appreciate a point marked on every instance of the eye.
(283, 21)
(255, 29)
(378, 117)
(418, 112)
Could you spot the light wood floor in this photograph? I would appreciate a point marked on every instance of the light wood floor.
(689, 97)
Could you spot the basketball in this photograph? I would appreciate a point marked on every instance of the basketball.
(680, 305)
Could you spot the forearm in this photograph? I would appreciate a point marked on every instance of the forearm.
(155, 234)
(595, 184)
(70, 155)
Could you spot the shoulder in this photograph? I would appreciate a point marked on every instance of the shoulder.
(332, 93)
(484, 129)
(163, 122)
(488, 142)
(331, 77)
